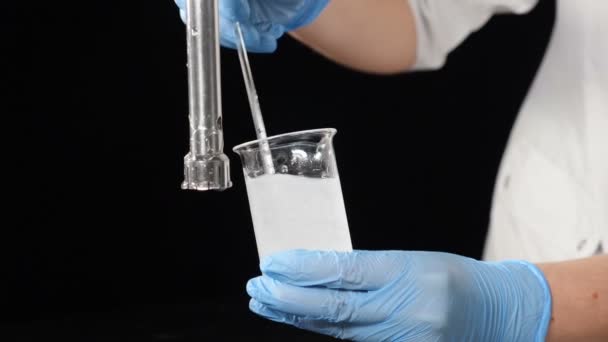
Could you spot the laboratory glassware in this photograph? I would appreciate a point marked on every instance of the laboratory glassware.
(206, 167)
(299, 205)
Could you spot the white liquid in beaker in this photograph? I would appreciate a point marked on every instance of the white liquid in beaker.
(292, 212)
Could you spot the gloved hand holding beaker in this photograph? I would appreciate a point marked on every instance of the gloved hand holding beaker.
(262, 21)
(403, 296)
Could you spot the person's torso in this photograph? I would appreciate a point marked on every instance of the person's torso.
(551, 196)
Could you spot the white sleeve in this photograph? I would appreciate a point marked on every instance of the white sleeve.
(442, 25)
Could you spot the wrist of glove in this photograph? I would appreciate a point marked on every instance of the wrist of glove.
(262, 21)
(403, 296)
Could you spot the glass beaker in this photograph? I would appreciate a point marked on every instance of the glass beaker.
(294, 192)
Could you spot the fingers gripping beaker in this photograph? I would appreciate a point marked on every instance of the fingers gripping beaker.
(299, 203)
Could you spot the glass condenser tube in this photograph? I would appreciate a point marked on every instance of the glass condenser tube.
(206, 167)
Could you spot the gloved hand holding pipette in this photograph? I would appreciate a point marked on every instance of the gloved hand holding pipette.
(403, 296)
(262, 21)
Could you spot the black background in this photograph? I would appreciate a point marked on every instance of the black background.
(100, 244)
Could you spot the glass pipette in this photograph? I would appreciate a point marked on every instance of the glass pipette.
(254, 102)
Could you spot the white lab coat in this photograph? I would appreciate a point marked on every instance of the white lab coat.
(551, 196)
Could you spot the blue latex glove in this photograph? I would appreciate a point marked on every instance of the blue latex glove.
(403, 296)
(262, 21)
